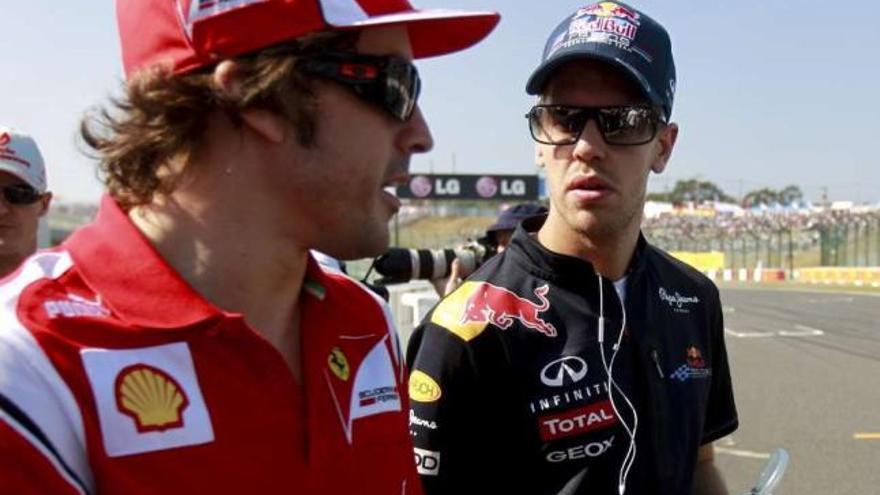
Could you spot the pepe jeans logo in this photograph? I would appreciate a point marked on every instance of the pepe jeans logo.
(678, 302)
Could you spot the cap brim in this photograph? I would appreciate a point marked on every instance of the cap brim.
(539, 78)
(437, 32)
(495, 227)
(6, 167)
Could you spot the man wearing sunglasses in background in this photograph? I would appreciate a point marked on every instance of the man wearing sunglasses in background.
(185, 341)
(581, 359)
(25, 198)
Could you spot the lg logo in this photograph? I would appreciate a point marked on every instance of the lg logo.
(573, 367)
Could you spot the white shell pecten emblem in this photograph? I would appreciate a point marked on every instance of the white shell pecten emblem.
(151, 397)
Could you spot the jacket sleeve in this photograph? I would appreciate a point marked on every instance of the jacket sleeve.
(721, 415)
(445, 412)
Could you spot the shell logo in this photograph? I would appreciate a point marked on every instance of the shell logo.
(423, 388)
(338, 364)
(151, 397)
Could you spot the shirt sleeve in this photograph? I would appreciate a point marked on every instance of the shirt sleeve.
(721, 415)
(30, 467)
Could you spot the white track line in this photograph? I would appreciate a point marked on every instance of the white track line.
(745, 335)
(803, 331)
(742, 453)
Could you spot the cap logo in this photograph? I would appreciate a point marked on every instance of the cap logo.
(606, 22)
(151, 397)
(343, 12)
(201, 9)
(7, 153)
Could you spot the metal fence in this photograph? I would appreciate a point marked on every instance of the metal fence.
(789, 241)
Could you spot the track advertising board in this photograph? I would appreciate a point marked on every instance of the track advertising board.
(470, 187)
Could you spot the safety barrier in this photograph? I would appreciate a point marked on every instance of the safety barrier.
(748, 275)
(869, 276)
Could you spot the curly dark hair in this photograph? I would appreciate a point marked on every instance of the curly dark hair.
(162, 116)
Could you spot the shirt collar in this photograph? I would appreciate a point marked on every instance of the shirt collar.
(555, 266)
(119, 263)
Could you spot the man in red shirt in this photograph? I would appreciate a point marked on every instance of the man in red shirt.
(185, 342)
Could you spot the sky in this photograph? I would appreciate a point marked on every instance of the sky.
(769, 93)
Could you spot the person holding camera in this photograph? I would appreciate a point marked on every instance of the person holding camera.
(186, 341)
(581, 359)
(499, 233)
(496, 239)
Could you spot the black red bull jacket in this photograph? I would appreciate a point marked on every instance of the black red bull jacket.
(509, 393)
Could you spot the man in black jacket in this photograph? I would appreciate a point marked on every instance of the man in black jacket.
(581, 359)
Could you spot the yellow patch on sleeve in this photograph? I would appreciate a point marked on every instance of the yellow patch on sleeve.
(452, 312)
(423, 388)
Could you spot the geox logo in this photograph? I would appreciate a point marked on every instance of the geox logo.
(677, 301)
(75, 306)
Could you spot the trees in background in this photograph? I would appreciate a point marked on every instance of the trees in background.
(699, 191)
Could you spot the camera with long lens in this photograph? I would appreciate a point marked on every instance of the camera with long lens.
(399, 265)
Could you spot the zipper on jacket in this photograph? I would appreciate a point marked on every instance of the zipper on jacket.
(655, 355)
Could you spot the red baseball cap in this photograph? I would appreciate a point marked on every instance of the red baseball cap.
(189, 34)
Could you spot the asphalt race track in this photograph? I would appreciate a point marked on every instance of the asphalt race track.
(806, 371)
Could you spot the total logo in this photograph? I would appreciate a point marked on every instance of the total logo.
(577, 422)
(554, 374)
(587, 450)
(427, 462)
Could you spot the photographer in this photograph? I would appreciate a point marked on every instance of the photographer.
(499, 233)
(497, 238)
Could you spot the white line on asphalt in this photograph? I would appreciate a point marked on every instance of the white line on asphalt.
(745, 335)
(742, 453)
(803, 331)
(728, 309)
(867, 436)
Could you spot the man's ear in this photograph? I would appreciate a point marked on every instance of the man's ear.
(44, 203)
(665, 144)
(539, 156)
(264, 123)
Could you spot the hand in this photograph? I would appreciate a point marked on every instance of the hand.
(445, 286)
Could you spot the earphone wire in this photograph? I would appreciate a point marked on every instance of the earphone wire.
(611, 384)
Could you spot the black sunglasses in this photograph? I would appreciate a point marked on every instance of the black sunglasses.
(391, 83)
(20, 194)
(627, 125)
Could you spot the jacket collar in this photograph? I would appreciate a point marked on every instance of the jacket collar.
(560, 267)
(135, 282)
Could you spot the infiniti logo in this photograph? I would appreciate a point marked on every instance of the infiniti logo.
(554, 373)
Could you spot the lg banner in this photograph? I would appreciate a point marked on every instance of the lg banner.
(470, 187)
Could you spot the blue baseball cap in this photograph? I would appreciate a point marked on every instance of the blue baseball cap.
(511, 217)
(619, 35)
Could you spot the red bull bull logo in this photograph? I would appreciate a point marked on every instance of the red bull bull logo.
(501, 307)
(609, 9)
